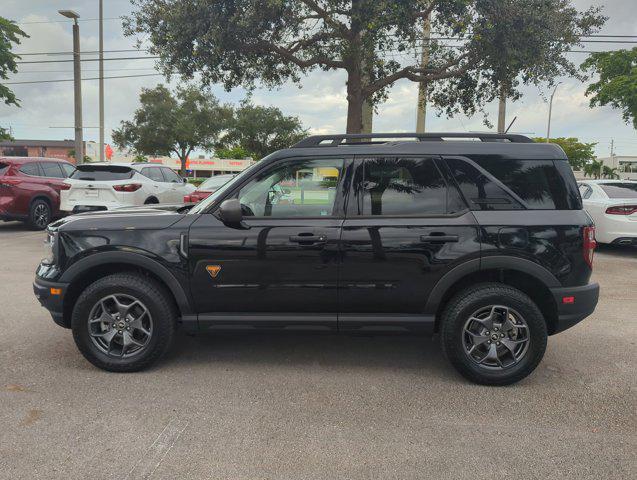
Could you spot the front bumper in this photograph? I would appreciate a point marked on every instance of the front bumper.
(574, 304)
(51, 296)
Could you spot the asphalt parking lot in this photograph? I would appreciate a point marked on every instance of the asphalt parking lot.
(320, 407)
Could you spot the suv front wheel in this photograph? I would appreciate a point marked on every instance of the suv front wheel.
(493, 334)
(123, 322)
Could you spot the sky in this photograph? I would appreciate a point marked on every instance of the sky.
(47, 109)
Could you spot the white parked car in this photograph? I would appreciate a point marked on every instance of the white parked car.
(613, 206)
(106, 186)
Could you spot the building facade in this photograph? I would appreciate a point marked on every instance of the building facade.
(39, 148)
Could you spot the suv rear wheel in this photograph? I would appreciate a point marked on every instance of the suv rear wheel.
(39, 214)
(123, 322)
(493, 334)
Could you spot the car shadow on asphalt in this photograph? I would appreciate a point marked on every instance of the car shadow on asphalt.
(617, 250)
(408, 353)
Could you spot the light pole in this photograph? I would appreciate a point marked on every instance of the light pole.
(77, 84)
(101, 86)
(548, 128)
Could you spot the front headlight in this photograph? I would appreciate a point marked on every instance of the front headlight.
(50, 248)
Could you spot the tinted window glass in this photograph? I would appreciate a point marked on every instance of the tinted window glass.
(537, 182)
(401, 186)
(215, 182)
(30, 168)
(68, 169)
(478, 189)
(52, 170)
(620, 190)
(153, 173)
(171, 176)
(102, 172)
(3, 168)
(302, 188)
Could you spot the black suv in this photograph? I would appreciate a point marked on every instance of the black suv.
(480, 238)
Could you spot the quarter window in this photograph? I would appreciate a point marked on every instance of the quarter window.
(301, 188)
(171, 176)
(154, 173)
(401, 186)
(31, 168)
(68, 169)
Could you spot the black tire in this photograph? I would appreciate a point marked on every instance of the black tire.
(153, 296)
(151, 201)
(39, 214)
(454, 338)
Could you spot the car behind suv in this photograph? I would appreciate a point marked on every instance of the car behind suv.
(483, 242)
(30, 189)
(107, 186)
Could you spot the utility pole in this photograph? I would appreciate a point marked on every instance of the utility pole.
(548, 128)
(421, 112)
(502, 111)
(101, 81)
(77, 84)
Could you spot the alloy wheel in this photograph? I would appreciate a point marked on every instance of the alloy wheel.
(41, 215)
(120, 325)
(496, 337)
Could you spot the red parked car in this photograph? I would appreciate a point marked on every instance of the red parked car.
(30, 189)
(207, 187)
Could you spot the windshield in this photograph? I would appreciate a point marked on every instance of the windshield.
(203, 205)
(215, 182)
(620, 190)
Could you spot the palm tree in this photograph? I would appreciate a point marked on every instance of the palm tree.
(611, 173)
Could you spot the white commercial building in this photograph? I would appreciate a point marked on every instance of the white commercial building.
(626, 165)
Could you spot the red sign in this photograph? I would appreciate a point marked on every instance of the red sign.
(108, 151)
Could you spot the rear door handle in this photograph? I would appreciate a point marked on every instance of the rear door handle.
(308, 239)
(439, 238)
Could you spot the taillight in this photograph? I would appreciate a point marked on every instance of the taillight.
(127, 187)
(187, 199)
(589, 245)
(622, 210)
(8, 182)
(65, 186)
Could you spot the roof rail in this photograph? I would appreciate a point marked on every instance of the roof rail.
(367, 138)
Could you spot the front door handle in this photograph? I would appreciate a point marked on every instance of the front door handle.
(439, 238)
(308, 239)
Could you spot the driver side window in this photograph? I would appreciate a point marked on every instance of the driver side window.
(299, 188)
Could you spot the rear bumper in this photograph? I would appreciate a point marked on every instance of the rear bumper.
(574, 304)
(54, 303)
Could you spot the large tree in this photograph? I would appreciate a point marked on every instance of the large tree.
(579, 153)
(167, 123)
(260, 131)
(10, 35)
(242, 42)
(617, 81)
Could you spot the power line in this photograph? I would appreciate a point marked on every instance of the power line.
(81, 53)
(88, 60)
(90, 78)
(65, 21)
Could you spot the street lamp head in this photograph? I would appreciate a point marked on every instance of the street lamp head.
(69, 14)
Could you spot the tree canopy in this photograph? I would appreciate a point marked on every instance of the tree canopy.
(177, 123)
(617, 83)
(10, 35)
(259, 130)
(496, 43)
(579, 153)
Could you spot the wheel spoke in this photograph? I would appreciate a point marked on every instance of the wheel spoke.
(477, 339)
(492, 355)
(512, 344)
(485, 322)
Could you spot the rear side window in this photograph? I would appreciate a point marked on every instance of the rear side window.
(171, 176)
(3, 168)
(31, 168)
(102, 173)
(67, 169)
(509, 184)
(51, 170)
(401, 186)
(620, 190)
(154, 173)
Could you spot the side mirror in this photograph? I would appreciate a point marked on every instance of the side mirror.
(185, 180)
(230, 212)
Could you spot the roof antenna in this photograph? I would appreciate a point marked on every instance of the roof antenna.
(512, 122)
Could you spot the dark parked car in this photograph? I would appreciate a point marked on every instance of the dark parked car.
(484, 242)
(30, 189)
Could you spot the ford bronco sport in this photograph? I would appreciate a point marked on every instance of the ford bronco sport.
(479, 238)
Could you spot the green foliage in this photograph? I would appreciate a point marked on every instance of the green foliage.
(617, 84)
(578, 153)
(4, 134)
(502, 43)
(236, 152)
(176, 122)
(87, 159)
(139, 158)
(259, 131)
(10, 34)
(596, 169)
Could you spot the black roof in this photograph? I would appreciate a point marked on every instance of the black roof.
(505, 146)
